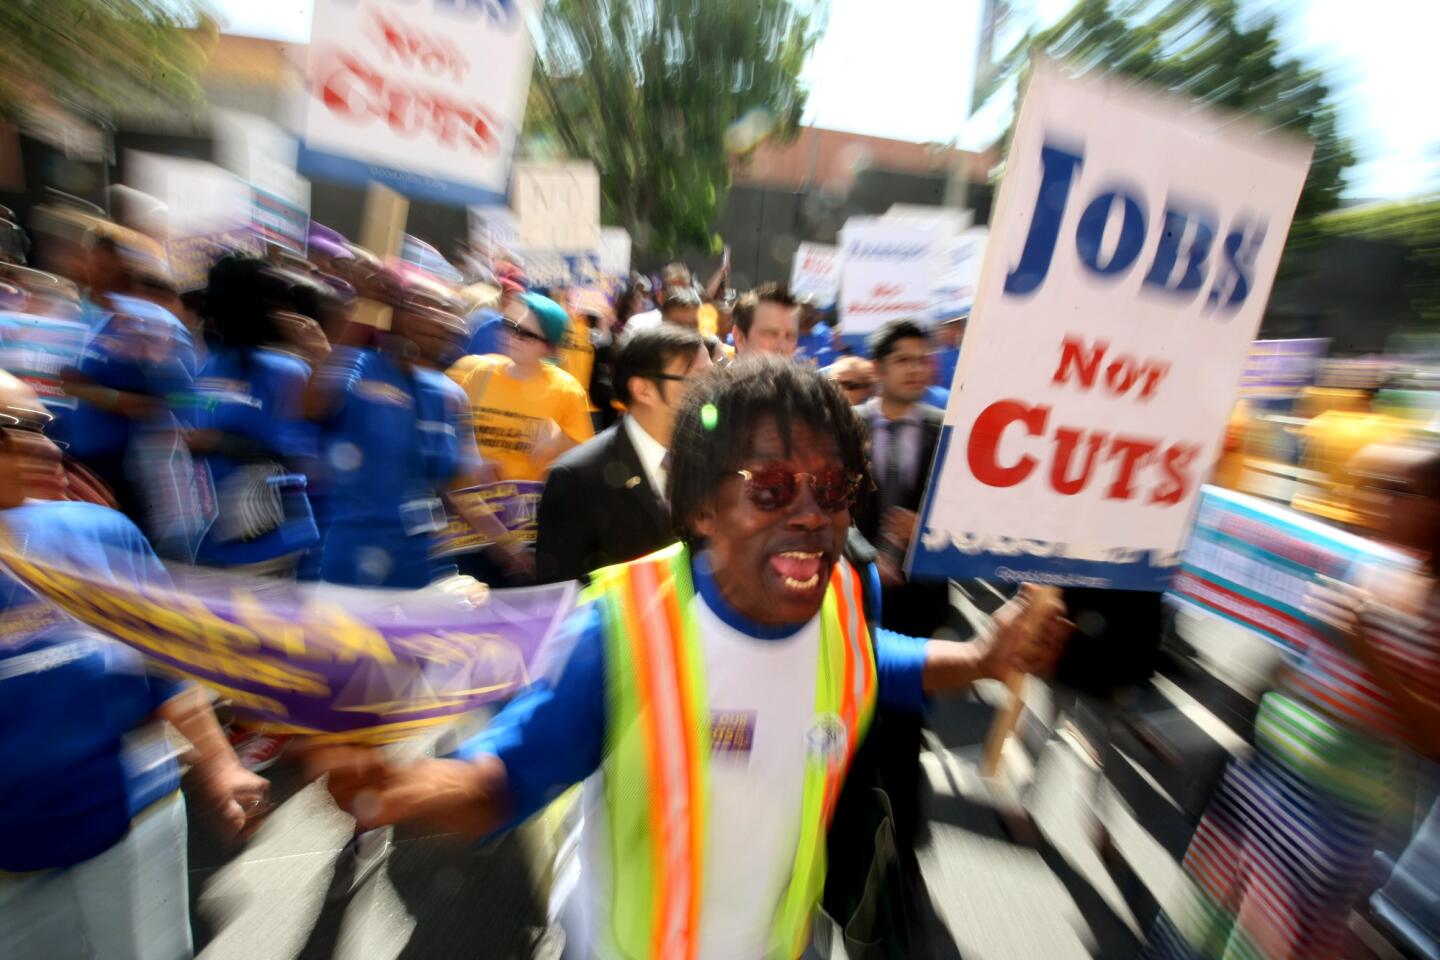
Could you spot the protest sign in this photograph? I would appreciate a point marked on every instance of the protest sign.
(426, 98)
(957, 271)
(197, 198)
(1133, 248)
(192, 257)
(418, 253)
(1280, 369)
(264, 156)
(493, 232)
(615, 252)
(547, 269)
(36, 349)
(1253, 563)
(557, 206)
(889, 269)
(360, 664)
(515, 503)
(815, 272)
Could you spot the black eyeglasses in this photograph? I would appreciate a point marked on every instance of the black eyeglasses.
(676, 377)
(516, 330)
(772, 489)
(853, 385)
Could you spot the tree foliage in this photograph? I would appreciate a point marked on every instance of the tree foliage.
(1413, 224)
(661, 95)
(1206, 50)
(97, 54)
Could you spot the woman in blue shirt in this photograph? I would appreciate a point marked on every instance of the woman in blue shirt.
(247, 422)
(92, 826)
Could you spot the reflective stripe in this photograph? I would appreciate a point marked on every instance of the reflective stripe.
(655, 768)
(671, 799)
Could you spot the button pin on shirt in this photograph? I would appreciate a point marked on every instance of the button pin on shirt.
(632, 483)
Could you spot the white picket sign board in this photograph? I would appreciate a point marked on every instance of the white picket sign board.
(1132, 251)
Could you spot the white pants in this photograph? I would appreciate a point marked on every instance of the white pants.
(129, 903)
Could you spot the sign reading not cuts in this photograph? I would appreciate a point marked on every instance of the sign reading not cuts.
(1135, 243)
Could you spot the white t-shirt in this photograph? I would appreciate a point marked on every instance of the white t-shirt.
(762, 706)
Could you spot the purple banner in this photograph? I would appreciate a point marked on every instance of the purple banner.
(320, 659)
(1281, 368)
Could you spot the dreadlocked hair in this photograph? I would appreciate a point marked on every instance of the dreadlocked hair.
(716, 424)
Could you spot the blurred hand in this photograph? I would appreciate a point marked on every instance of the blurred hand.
(239, 799)
(304, 334)
(202, 441)
(453, 794)
(890, 573)
(520, 562)
(898, 526)
(1030, 633)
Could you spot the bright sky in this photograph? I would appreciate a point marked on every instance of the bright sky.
(903, 69)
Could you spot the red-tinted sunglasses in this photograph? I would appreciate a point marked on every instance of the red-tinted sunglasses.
(772, 489)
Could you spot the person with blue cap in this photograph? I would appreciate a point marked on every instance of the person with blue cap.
(526, 411)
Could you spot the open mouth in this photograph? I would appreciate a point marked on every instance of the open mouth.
(798, 570)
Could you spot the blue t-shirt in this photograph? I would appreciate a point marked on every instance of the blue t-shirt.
(137, 348)
(489, 335)
(390, 452)
(553, 735)
(945, 359)
(937, 397)
(70, 696)
(817, 347)
(255, 395)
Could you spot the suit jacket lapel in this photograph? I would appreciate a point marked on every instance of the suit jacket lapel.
(642, 492)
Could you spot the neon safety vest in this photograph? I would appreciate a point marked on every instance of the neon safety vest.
(657, 753)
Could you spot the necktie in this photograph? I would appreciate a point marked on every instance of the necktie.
(890, 482)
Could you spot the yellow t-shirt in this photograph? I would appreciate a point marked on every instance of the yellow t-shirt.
(576, 354)
(707, 318)
(511, 416)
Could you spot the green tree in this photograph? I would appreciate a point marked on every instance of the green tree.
(98, 54)
(662, 95)
(1412, 224)
(1206, 50)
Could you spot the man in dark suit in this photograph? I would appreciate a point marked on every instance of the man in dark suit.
(904, 433)
(604, 501)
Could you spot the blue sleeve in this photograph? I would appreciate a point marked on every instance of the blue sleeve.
(144, 568)
(900, 671)
(488, 328)
(338, 374)
(290, 435)
(552, 736)
(899, 659)
(457, 414)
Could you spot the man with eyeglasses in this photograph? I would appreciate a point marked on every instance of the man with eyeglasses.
(717, 690)
(605, 501)
(526, 411)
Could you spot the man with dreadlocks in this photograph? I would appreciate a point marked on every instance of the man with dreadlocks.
(716, 693)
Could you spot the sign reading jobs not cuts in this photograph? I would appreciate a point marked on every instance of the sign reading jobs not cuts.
(1134, 247)
(425, 96)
